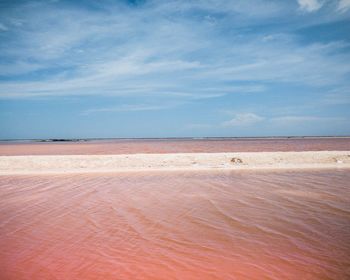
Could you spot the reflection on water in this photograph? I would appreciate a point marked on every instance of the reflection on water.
(218, 225)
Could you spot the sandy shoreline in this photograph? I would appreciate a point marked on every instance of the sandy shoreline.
(12, 165)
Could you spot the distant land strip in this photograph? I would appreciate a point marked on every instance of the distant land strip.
(172, 138)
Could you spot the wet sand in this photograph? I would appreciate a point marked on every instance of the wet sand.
(176, 225)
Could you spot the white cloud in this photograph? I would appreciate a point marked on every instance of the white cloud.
(198, 126)
(309, 5)
(339, 96)
(19, 67)
(343, 5)
(127, 108)
(294, 120)
(263, 9)
(243, 119)
(90, 52)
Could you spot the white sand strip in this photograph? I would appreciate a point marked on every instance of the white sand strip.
(11, 165)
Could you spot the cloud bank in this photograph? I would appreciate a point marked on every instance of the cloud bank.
(177, 48)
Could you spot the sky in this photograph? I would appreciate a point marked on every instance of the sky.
(175, 68)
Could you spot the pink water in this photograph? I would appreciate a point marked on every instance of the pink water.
(174, 146)
(176, 225)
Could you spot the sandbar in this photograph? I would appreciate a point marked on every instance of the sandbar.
(62, 164)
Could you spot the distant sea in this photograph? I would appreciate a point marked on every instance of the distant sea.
(171, 145)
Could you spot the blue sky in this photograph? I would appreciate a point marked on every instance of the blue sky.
(77, 69)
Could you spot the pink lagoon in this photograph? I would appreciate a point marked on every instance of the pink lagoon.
(205, 224)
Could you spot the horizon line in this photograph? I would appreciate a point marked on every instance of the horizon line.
(50, 140)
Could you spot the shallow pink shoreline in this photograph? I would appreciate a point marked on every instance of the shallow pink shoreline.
(155, 226)
(103, 147)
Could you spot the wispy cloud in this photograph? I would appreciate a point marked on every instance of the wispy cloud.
(127, 108)
(293, 120)
(3, 27)
(338, 96)
(251, 119)
(274, 62)
(199, 126)
(116, 50)
(310, 5)
(344, 5)
(309, 124)
(243, 119)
